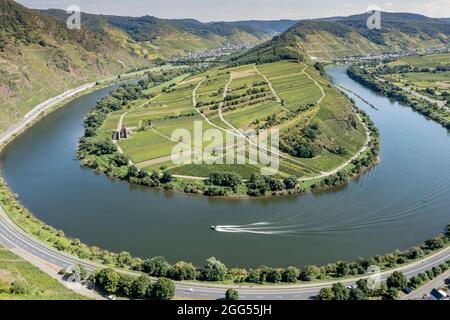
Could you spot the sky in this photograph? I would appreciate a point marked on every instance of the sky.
(230, 10)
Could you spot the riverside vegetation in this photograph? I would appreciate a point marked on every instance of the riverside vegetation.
(411, 81)
(213, 270)
(388, 290)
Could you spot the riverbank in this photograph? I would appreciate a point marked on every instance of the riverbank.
(48, 106)
(97, 152)
(423, 106)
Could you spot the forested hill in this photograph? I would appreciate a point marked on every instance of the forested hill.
(349, 36)
(40, 58)
(153, 38)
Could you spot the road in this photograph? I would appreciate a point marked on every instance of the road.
(48, 104)
(437, 283)
(441, 104)
(51, 260)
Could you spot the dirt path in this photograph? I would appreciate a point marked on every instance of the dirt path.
(271, 89)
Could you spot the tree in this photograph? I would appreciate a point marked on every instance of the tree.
(392, 294)
(291, 274)
(231, 179)
(274, 184)
(290, 182)
(183, 271)
(133, 171)
(163, 289)
(357, 294)
(166, 177)
(120, 160)
(256, 185)
(325, 294)
(414, 253)
(140, 286)
(214, 270)
(397, 280)
(362, 285)
(309, 273)
(124, 259)
(340, 292)
(108, 279)
(125, 286)
(434, 244)
(342, 269)
(274, 276)
(231, 295)
(157, 267)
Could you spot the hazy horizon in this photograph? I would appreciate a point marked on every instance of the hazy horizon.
(232, 10)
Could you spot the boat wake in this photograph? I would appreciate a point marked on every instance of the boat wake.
(254, 228)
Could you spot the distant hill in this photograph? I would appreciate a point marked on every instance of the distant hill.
(40, 57)
(153, 38)
(349, 36)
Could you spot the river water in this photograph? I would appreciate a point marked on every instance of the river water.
(399, 203)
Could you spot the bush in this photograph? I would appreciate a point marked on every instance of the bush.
(231, 180)
(214, 270)
(214, 192)
(325, 294)
(120, 160)
(166, 177)
(231, 295)
(309, 273)
(107, 279)
(163, 289)
(392, 294)
(291, 274)
(340, 292)
(20, 287)
(290, 182)
(397, 280)
(125, 286)
(274, 184)
(157, 267)
(274, 276)
(140, 286)
(183, 271)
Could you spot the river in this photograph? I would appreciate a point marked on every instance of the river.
(399, 203)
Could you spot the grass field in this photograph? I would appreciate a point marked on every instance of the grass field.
(36, 285)
(434, 84)
(246, 100)
(423, 61)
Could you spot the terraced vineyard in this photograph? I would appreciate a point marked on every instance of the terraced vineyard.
(20, 280)
(286, 95)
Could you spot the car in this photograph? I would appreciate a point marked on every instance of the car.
(190, 290)
(111, 297)
(408, 290)
(352, 286)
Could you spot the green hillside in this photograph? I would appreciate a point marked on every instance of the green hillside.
(331, 38)
(152, 38)
(20, 280)
(40, 58)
